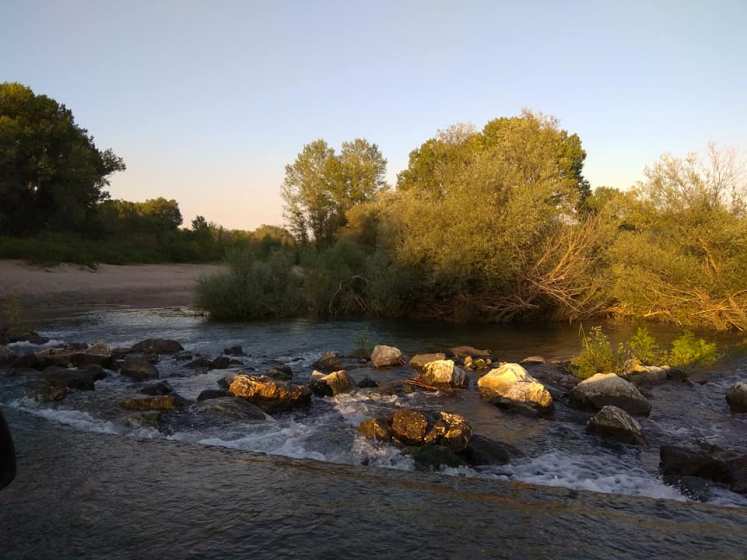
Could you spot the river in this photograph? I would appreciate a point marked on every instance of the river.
(78, 458)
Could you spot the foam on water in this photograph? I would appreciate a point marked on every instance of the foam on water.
(74, 418)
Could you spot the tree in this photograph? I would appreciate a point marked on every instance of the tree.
(52, 175)
(321, 186)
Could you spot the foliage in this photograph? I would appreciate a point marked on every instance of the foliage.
(644, 348)
(321, 186)
(52, 175)
(597, 355)
(690, 351)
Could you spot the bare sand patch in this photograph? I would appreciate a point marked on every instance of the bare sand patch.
(65, 285)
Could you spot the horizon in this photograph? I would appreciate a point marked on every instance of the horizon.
(207, 106)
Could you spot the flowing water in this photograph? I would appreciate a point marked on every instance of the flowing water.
(556, 451)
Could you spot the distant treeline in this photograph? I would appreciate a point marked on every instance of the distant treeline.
(499, 224)
(54, 206)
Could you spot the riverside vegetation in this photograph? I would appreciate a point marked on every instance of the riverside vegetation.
(497, 224)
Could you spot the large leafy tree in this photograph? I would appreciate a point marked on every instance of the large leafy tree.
(321, 186)
(52, 175)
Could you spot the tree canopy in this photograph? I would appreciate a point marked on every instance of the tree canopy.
(321, 186)
(52, 175)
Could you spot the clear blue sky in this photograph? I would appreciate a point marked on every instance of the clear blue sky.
(207, 101)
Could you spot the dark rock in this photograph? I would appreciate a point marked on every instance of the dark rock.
(200, 362)
(7, 356)
(212, 394)
(138, 367)
(47, 391)
(691, 486)
(183, 356)
(605, 389)
(268, 394)
(280, 372)
(328, 362)
(157, 346)
(471, 351)
(376, 429)
(31, 337)
(234, 351)
(221, 362)
(27, 361)
(703, 463)
(320, 389)
(614, 423)
(485, 451)
(81, 380)
(433, 457)
(159, 388)
(736, 397)
(367, 382)
(225, 381)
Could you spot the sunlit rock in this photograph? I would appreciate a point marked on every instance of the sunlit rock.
(337, 381)
(328, 362)
(614, 423)
(443, 372)
(605, 389)
(409, 426)
(450, 430)
(418, 361)
(511, 385)
(375, 429)
(268, 394)
(386, 356)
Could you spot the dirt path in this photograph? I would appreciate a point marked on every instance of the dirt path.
(63, 286)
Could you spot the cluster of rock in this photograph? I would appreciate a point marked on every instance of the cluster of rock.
(435, 439)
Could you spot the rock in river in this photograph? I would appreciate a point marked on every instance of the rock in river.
(328, 362)
(443, 372)
(268, 394)
(157, 346)
(605, 389)
(736, 396)
(158, 402)
(138, 367)
(337, 381)
(159, 388)
(708, 462)
(414, 427)
(230, 407)
(471, 351)
(511, 385)
(418, 361)
(614, 423)
(376, 429)
(386, 356)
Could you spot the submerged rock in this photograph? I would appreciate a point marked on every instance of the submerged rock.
(483, 451)
(736, 397)
(281, 372)
(268, 394)
(229, 407)
(367, 383)
(443, 372)
(221, 362)
(605, 389)
(157, 346)
(71, 355)
(234, 351)
(386, 356)
(145, 419)
(418, 361)
(511, 385)
(471, 351)
(157, 402)
(138, 367)
(328, 362)
(208, 394)
(433, 457)
(160, 388)
(614, 423)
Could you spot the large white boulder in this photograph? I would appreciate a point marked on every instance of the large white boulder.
(386, 356)
(511, 384)
(605, 389)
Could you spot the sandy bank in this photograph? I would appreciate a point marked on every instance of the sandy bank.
(150, 285)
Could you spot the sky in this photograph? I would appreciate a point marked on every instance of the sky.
(208, 101)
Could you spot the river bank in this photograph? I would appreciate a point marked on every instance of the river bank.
(55, 290)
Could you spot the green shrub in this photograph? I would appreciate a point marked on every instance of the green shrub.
(644, 348)
(597, 355)
(690, 351)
